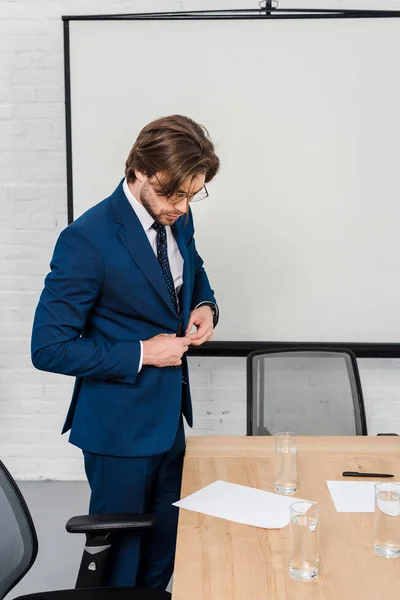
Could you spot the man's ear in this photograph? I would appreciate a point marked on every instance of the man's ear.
(140, 176)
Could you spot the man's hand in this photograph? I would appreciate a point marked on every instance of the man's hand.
(165, 350)
(203, 319)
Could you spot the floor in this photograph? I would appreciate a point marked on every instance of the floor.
(51, 505)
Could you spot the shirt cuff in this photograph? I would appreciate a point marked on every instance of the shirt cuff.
(141, 356)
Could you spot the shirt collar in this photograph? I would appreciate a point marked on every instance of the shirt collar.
(144, 217)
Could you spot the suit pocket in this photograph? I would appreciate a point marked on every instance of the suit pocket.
(111, 407)
(147, 377)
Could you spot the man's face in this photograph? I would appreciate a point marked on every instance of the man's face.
(163, 211)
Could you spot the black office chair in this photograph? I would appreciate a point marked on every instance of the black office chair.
(305, 390)
(19, 547)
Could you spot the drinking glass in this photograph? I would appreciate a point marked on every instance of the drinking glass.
(286, 463)
(304, 540)
(387, 520)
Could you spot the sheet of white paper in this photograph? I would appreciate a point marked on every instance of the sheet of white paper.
(353, 496)
(241, 504)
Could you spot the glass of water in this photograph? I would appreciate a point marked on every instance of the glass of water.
(286, 463)
(304, 541)
(387, 520)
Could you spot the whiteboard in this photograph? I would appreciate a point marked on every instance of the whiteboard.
(300, 234)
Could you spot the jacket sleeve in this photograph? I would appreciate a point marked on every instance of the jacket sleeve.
(202, 291)
(70, 292)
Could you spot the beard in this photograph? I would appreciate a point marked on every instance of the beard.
(150, 204)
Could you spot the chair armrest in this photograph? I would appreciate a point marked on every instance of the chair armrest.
(387, 434)
(113, 523)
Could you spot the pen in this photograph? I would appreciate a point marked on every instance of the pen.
(356, 474)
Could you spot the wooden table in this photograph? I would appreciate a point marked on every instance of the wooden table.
(222, 560)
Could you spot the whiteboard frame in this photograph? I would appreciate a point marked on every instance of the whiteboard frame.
(228, 348)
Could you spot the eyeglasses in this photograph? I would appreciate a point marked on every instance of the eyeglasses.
(179, 196)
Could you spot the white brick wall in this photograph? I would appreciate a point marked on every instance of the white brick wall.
(33, 211)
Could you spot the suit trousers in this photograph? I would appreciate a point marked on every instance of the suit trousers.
(149, 484)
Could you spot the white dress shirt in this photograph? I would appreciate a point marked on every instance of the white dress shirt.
(174, 256)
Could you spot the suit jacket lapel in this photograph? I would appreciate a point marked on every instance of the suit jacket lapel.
(185, 292)
(136, 242)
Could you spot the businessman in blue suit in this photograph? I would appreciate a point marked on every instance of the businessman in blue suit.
(125, 290)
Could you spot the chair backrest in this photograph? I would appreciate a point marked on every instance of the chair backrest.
(308, 391)
(18, 541)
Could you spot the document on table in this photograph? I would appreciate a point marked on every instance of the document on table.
(241, 504)
(353, 496)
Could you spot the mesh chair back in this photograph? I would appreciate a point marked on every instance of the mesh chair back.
(310, 392)
(18, 541)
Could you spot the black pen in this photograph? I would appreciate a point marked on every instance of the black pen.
(356, 474)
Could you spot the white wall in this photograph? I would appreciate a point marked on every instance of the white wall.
(32, 213)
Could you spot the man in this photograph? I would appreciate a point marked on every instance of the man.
(125, 289)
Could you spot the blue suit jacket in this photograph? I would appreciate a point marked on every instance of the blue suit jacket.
(105, 292)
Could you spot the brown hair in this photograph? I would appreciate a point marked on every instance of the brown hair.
(176, 146)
